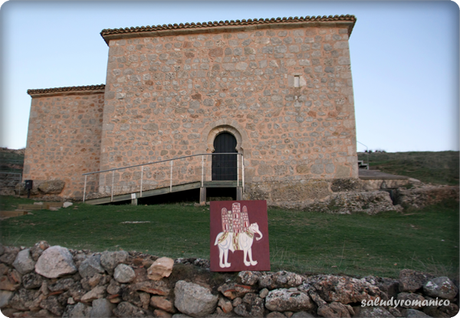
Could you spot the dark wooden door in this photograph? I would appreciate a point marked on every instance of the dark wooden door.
(225, 166)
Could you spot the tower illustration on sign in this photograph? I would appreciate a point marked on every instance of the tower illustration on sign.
(237, 235)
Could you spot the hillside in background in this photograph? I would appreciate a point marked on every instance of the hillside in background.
(11, 160)
(430, 167)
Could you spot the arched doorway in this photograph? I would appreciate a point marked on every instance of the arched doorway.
(225, 160)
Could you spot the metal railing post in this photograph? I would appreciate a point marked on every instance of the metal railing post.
(242, 170)
(237, 170)
(84, 190)
(170, 181)
(202, 171)
(142, 178)
(111, 194)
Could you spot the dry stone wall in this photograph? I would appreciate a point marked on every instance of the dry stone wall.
(53, 281)
(285, 93)
(64, 136)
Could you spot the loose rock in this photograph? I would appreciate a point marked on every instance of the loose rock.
(126, 309)
(344, 289)
(101, 308)
(288, 300)
(55, 262)
(52, 305)
(110, 260)
(5, 297)
(32, 280)
(24, 262)
(51, 186)
(440, 287)
(124, 274)
(233, 290)
(77, 311)
(96, 293)
(162, 267)
(193, 299)
(411, 281)
(251, 305)
(91, 266)
(374, 312)
(163, 303)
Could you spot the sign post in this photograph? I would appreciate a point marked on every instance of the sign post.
(239, 236)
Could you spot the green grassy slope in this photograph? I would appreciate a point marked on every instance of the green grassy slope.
(430, 167)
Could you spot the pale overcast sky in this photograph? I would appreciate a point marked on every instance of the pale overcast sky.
(404, 58)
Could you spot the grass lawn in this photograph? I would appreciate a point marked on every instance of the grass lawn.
(304, 242)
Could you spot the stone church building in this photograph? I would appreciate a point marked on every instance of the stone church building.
(264, 106)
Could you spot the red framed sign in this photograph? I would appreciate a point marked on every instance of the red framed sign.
(239, 236)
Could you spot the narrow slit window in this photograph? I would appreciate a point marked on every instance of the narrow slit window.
(296, 80)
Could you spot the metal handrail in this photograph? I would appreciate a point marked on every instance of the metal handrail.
(367, 153)
(166, 160)
(171, 170)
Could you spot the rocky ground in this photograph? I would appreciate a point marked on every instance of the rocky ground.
(44, 281)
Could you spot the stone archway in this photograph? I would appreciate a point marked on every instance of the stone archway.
(219, 130)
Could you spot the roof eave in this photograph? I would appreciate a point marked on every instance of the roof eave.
(228, 26)
(91, 89)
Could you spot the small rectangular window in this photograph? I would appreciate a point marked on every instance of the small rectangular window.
(296, 80)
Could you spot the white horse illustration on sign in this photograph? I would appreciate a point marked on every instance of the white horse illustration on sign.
(237, 235)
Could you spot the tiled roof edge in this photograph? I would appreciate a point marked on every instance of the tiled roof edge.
(66, 90)
(110, 33)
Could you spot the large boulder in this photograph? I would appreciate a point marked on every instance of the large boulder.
(288, 300)
(55, 262)
(343, 289)
(194, 300)
(411, 281)
(51, 186)
(281, 279)
(441, 287)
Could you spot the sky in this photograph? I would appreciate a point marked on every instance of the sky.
(404, 58)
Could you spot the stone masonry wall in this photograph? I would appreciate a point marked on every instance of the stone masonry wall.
(64, 137)
(169, 95)
(53, 281)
